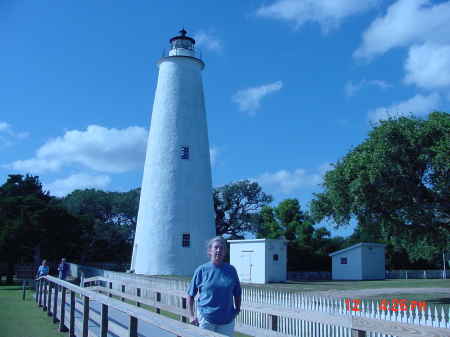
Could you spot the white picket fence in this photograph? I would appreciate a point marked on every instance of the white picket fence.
(417, 274)
(284, 301)
(290, 305)
(433, 315)
(414, 313)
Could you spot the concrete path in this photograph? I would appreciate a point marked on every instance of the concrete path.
(116, 317)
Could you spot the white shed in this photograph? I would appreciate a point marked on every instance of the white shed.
(363, 261)
(259, 260)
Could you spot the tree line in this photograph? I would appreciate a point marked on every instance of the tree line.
(394, 185)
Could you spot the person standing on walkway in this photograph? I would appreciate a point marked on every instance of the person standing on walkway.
(63, 268)
(43, 269)
(219, 300)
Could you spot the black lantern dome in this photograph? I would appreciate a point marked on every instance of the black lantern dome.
(182, 41)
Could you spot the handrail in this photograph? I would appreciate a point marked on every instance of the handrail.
(46, 283)
(358, 323)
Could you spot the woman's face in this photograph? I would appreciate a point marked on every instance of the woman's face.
(216, 252)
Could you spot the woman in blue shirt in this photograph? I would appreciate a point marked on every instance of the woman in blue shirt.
(43, 269)
(218, 284)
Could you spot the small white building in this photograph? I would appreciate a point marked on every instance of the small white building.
(259, 260)
(363, 261)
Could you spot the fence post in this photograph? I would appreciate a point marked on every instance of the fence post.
(138, 294)
(41, 285)
(36, 295)
(123, 290)
(55, 304)
(104, 320)
(85, 316)
(358, 333)
(110, 287)
(424, 274)
(158, 299)
(62, 327)
(72, 314)
(23, 289)
(184, 306)
(132, 329)
(82, 280)
(406, 274)
(44, 304)
(274, 322)
(49, 299)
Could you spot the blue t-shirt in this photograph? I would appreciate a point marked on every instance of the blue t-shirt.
(42, 271)
(217, 285)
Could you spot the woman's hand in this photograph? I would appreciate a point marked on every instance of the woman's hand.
(193, 320)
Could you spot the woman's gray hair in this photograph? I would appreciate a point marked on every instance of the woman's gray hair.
(216, 239)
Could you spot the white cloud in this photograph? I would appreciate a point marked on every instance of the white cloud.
(62, 187)
(249, 99)
(418, 105)
(406, 22)
(4, 126)
(428, 66)
(286, 182)
(352, 88)
(98, 148)
(328, 13)
(208, 41)
(8, 136)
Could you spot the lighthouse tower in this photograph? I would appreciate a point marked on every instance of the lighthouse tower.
(175, 216)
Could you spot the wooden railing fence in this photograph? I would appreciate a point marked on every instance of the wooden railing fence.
(73, 307)
(434, 315)
(308, 319)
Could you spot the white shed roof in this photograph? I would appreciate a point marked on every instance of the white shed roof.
(361, 244)
(253, 240)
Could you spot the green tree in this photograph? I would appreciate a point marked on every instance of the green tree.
(109, 222)
(236, 206)
(396, 185)
(308, 247)
(33, 224)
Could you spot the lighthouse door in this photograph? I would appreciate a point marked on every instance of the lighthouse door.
(245, 270)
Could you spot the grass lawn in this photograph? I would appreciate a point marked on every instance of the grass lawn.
(438, 300)
(341, 285)
(20, 318)
(435, 298)
(355, 285)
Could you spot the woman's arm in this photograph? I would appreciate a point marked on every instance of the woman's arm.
(192, 316)
(237, 304)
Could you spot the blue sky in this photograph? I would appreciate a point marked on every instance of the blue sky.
(290, 85)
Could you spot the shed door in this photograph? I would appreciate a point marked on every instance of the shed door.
(245, 270)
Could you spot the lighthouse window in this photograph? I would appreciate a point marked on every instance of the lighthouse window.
(186, 240)
(185, 152)
(343, 260)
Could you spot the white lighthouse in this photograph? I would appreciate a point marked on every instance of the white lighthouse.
(175, 216)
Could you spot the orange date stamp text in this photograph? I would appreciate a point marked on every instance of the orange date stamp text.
(395, 304)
